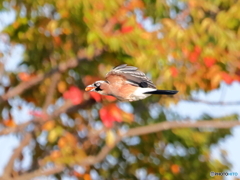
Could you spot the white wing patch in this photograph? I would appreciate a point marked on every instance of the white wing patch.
(139, 94)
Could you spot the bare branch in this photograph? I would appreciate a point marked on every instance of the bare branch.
(40, 172)
(180, 124)
(85, 104)
(157, 128)
(18, 128)
(34, 81)
(21, 127)
(212, 103)
(91, 160)
(15, 155)
(54, 81)
(68, 104)
(57, 169)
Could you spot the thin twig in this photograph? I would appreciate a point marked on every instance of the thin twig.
(211, 102)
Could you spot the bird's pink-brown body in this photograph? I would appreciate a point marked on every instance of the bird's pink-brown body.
(126, 83)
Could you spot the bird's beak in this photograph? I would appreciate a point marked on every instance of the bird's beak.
(90, 88)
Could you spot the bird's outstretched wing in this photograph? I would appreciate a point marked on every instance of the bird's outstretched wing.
(132, 76)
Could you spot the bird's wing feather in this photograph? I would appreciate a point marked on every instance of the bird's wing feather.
(132, 76)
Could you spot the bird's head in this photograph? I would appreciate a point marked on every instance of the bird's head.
(98, 86)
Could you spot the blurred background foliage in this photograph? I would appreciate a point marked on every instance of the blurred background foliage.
(184, 45)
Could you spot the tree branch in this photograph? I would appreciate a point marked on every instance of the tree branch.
(21, 127)
(180, 124)
(91, 160)
(157, 128)
(72, 63)
(40, 172)
(212, 103)
(9, 167)
(54, 81)
(18, 128)
(66, 107)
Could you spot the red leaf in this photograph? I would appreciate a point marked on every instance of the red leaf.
(227, 78)
(126, 29)
(74, 94)
(109, 98)
(193, 57)
(197, 50)
(209, 61)
(174, 71)
(109, 114)
(97, 97)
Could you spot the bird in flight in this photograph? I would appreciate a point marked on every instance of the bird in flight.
(126, 83)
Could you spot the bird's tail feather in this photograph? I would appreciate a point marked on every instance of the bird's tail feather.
(166, 92)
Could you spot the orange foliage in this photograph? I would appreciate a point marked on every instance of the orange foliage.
(174, 71)
(133, 4)
(87, 177)
(126, 29)
(23, 76)
(194, 55)
(55, 154)
(62, 86)
(175, 168)
(227, 78)
(9, 123)
(57, 40)
(67, 140)
(48, 125)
